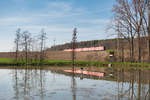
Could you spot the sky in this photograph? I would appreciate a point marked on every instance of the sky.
(57, 17)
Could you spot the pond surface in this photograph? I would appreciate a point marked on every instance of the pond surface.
(55, 84)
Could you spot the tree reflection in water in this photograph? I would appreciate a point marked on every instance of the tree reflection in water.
(73, 86)
(128, 84)
(27, 82)
(133, 84)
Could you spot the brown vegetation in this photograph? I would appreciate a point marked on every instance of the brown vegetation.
(61, 55)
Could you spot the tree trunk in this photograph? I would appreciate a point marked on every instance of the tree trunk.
(149, 35)
(132, 49)
(139, 48)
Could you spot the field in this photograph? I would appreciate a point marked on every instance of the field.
(61, 55)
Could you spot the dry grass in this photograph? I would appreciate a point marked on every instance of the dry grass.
(80, 56)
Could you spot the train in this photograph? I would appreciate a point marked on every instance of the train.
(100, 48)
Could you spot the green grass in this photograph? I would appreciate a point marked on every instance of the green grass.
(69, 62)
(6, 61)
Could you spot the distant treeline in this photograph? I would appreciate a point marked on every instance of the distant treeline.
(109, 44)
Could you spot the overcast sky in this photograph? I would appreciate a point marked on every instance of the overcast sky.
(57, 17)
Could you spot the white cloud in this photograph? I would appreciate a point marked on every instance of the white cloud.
(60, 6)
(94, 22)
(58, 22)
(11, 21)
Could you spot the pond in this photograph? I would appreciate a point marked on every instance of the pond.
(55, 84)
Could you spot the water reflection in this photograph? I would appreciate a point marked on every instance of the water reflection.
(28, 83)
(73, 86)
(131, 84)
(40, 84)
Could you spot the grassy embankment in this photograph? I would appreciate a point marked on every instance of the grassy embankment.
(6, 61)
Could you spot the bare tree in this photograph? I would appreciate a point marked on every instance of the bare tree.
(74, 40)
(130, 14)
(148, 27)
(42, 38)
(31, 48)
(17, 42)
(26, 39)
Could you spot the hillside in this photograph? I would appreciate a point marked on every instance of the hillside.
(109, 44)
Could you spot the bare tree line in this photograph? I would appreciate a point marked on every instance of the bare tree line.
(29, 48)
(131, 22)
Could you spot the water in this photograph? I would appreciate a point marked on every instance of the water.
(52, 84)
